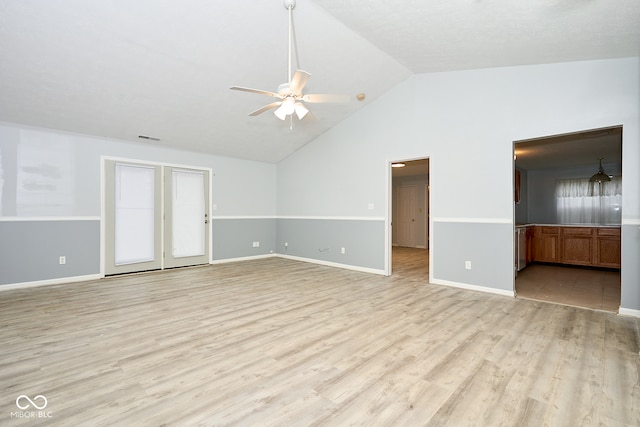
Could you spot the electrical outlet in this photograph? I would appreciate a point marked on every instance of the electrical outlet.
(62, 260)
(467, 265)
(286, 244)
(343, 250)
(257, 244)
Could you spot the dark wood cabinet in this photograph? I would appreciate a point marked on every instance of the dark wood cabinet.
(517, 184)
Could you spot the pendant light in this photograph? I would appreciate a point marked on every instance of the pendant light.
(597, 180)
(600, 176)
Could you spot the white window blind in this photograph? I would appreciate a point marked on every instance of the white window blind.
(188, 214)
(134, 214)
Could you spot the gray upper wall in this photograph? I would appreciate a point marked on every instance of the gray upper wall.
(466, 122)
(48, 174)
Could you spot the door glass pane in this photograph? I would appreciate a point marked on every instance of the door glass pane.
(188, 214)
(134, 214)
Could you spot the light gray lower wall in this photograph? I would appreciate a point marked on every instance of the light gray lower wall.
(630, 272)
(322, 240)
(489, 247)
(234, 237)
(30, 250)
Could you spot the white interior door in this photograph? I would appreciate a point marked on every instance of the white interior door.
(406, 221)
(132, 217)
(186, 222)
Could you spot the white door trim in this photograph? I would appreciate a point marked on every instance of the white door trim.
(388, 213)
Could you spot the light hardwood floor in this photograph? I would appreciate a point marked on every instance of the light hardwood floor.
(281, 342)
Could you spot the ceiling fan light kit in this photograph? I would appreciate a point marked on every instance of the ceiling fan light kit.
(291, 98)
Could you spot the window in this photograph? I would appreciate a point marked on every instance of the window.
(579, 201)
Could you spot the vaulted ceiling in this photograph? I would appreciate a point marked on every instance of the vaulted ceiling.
(163, 68)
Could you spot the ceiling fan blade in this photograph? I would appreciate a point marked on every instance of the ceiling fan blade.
(298, 81)
(266, 108)
(258, 91)
(328, 98)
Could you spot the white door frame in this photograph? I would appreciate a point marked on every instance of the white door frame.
(104, 159)
(388, 215)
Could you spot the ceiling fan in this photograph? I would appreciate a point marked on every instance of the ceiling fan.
(290, 97)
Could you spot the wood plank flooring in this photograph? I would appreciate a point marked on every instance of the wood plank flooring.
(281, 342)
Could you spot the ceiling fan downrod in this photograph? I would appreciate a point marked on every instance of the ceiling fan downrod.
(289, 5)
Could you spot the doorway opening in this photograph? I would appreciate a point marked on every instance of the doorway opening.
(567, 224)
(409, 219)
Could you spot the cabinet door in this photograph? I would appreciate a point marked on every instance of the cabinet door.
(577, 245)
(530, 245)
(546, 244)
(516, 196)
(608, 251)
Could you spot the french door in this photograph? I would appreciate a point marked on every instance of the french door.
(153, 223)
(186, 223)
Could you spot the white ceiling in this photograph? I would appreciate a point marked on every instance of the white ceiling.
(163, 68)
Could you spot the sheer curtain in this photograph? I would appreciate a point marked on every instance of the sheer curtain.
(579, 201)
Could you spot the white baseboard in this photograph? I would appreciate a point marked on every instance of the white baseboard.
(629, 312)
(243, 258)
(473, 287)
(334, 264)
(48, 282)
